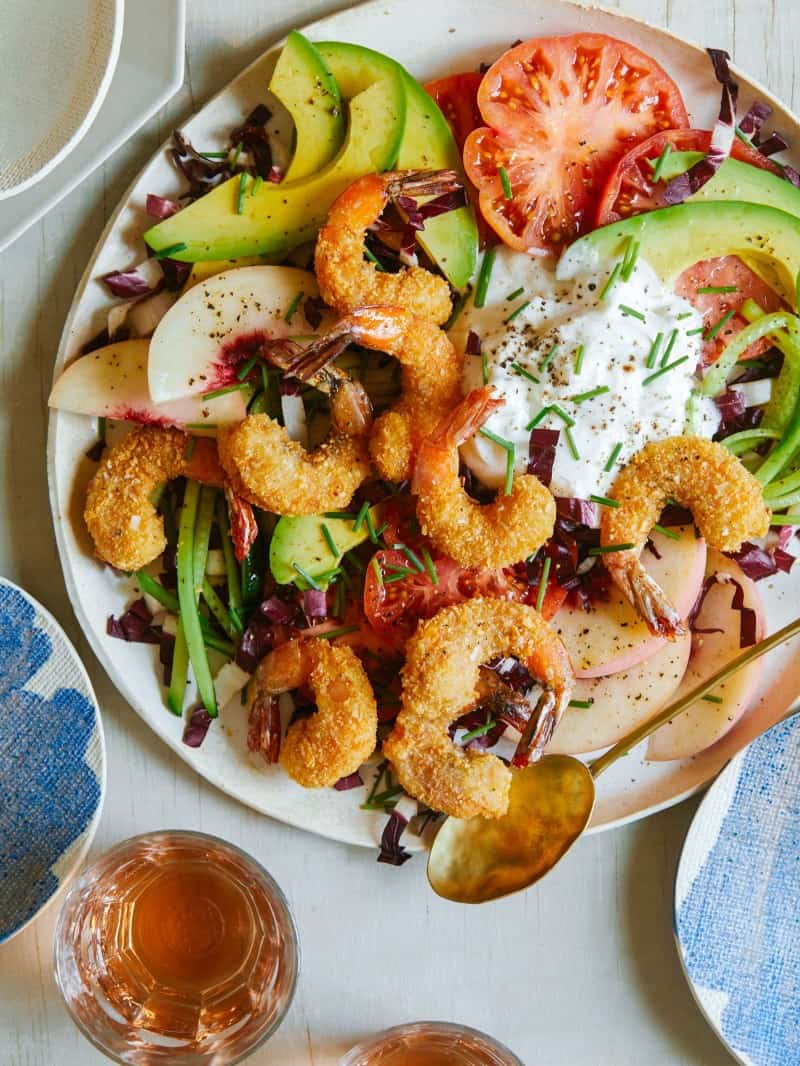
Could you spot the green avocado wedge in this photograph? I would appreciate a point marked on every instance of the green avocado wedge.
(675, 238)
(737, 181)
(451, 240)
(308, 91)
(238, 218)
(300, 542)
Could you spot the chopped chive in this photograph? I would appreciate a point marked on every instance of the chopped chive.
(604, 501)
(258, 181)
(612, 280)
(571, 443)
(482, 286)
(412, 557)
(292, 308)
(613, 457)
(458, 306)
(664, 370)
(607, 548)
(667, 532)
(515, 312)
(600, 390)
(405, 570)
(543, 582)
(360, 517)
(797, 292)
(240, 193)
(695, 332)
(397, 576)
(534, 422)
(712, 333)
(562, 414)
(173, 249)
(224, 391)
(374, 260)
(631, 312)
(497, 440)
(505, 182)
(658, 168)
(190, 447)
(215, 155)
(236, 153)
(432, 574)
(652, 355)
(373, 536)
(510, 451)
(582, 705)
(524, 373)
(331, 634)
(629, 259)
(484, 367)
(684, 314)
(513, 295)
(670, 345)
(330, 541)
(708, 289)
(345, 515)
(246, 368)
(710, 698)
(547, 359)
(355, 562)
(311, 581)
(479, 731)
(579, 354)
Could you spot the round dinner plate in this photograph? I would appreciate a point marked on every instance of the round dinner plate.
(52, 759)
(57, 61)
(736, 892)
(459, 35)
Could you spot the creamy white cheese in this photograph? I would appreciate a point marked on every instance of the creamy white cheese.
(616, 333)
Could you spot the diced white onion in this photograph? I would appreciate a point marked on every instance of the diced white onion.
(230, 681)
(215, 563)
(755, 393)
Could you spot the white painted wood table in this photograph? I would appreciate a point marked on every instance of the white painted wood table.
(581, 971)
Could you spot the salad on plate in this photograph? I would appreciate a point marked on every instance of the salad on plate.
(456, 427)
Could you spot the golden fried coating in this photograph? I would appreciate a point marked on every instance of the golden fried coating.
(341, 735)
(701, 475)
(440, 682)
(127, 531)
(347, 280)
(487, 535)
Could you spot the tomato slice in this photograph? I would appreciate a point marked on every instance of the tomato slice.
(394, 607)
(559, 114)
(727, 272)
(630, 189)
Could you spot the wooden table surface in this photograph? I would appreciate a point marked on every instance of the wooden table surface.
(581, 971)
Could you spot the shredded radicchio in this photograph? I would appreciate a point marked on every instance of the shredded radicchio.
(197, 727)
(276, 610)
(175, 273)
(161, 207)
(344, 784)
(722, 136)
(256, 641)
(473, 345)
(202, 174)
(747, 616)
(135, 625)
(756, 116)
(542, 453)
(584, 512)
(252, 136)
(392, 851)
(313, 308)
(127, 283)
(758, 562)
(315, 604)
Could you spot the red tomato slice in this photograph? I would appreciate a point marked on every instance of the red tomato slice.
(560, 112)
(727, 272)
(394, 608)
(631, 190)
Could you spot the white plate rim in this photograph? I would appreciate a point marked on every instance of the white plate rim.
(115, 675)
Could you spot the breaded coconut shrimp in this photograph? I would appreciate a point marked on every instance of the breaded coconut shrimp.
(347, 280)
(335, 740)
(431, 378)
(701, 475)
(489, 535)
(276, 473)
(440, 683)
(127, 531)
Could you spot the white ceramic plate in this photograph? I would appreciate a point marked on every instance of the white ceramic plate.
(459, 34)
(148, 72)
(57, 61)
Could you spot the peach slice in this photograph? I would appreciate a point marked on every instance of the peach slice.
(620, 701)
(611, 637)
(707, 720)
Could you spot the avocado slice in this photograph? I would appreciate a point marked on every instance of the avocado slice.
(675, 238)
(300, 539)
(451, 240)
(308, 91)
(276, 218)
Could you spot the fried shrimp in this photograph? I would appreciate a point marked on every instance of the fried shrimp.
(489, 535)
(276, 473)
(723, 496)
(431, 378)
(440, 682)
(127, 531)
(341, 734)
(347, 280)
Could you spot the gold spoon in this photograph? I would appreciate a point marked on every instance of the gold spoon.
(550, 805)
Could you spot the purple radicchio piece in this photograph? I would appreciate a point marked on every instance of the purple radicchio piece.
(197, 727)
(392, 851)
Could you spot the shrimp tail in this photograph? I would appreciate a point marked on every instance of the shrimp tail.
(650, 600)
(279, 352)
(465, 421)
(544, 718)
(424, 183)
(312, 359)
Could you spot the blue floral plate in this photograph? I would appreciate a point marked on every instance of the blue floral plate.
(52, 759)
(737, 919)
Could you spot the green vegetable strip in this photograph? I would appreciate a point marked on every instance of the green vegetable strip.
(786, 520)
(190, 617)
(542, 591)
(202, 535)
(776, 503)
(717, 376)
(482, 286)
(739, 443)
(780, 457)
(176, 692)
(240, 194)
(155, 589)
(219, 610)
(231, 566)
(787, 386)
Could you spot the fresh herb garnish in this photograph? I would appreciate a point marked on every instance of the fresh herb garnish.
(246, 368)
(515, 312)
(240, 193)
(236, 153)
(664, 370)
(612, 280)
(311, 581)
(629, 259)
(200, 425)
(631, 312)
(257, 183)
(412, 557)
(167, 253)
(658, 166)
(479, 731)
(709, 289)
(604, 501)
(458, 306)
(505, 182)
(562, 414)
(613, 457)
(482, 286)
(582, 705)
(510, 451)
(605, 549)
(712, 333)
(432, 574)
(547, 359)
(224, 391)
(579, 354)
(513, 295)
(710, 698)
(543, 582)
(331, 634)
(361, 516)
(652, 355)
(330, 541)
(670, 345)
(484, 366)
(667, 532)
(524, 373)
(374, 260)
(571, 443)
(377, 570)
(684, 314)
(599, 390)
(292, 308)
(190, 447)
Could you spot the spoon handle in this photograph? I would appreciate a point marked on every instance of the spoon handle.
(622, 747)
